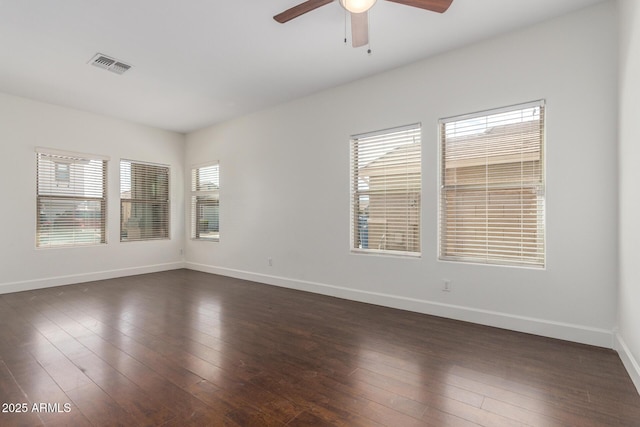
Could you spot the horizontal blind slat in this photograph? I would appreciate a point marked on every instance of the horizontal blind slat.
(386, 182)
(492, 187)
(71, 199)
(144, 201)
(205, 202)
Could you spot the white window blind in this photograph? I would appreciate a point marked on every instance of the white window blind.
(144, 201)
(386, 183)
(205, 202)
(492, 186)
(71, 199)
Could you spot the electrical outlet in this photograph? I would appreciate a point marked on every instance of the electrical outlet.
(181, 251)
(446, 285)
(270, 261)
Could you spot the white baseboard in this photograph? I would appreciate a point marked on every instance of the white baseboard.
(49, 282)
(559, 330)
(630, 363)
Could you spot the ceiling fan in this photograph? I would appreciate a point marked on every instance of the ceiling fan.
(359, 11)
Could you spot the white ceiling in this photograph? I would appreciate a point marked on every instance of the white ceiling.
(198, 62)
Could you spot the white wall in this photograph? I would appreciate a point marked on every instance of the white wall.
(629, 292)
(26, 124)
(285, 181)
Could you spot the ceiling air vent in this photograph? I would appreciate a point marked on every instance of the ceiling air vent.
(108, 63)
(119, 67)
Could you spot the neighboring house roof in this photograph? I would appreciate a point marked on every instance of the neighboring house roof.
(394, 162)
(510, 143)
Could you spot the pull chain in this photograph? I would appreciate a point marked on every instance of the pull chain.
(345, 27)
(369, 29)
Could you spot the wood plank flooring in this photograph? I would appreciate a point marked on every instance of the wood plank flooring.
(184, 348)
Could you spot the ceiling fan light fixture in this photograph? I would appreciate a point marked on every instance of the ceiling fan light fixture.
(357, 6)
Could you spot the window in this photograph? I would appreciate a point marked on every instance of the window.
(205, 202)
(386, 182)
(71, 198)
(492, 186)
(144, 201)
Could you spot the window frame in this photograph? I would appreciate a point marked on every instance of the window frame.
(539, 189)
(195, 193)
(413, 235)
(73, 222)
(150, 201)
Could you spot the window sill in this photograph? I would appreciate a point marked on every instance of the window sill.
(390, 254)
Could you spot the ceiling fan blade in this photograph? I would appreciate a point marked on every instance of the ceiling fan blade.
(300, 9)
(360, 29)
(439, 6)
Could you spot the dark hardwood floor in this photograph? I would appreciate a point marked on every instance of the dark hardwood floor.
(186, 348)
